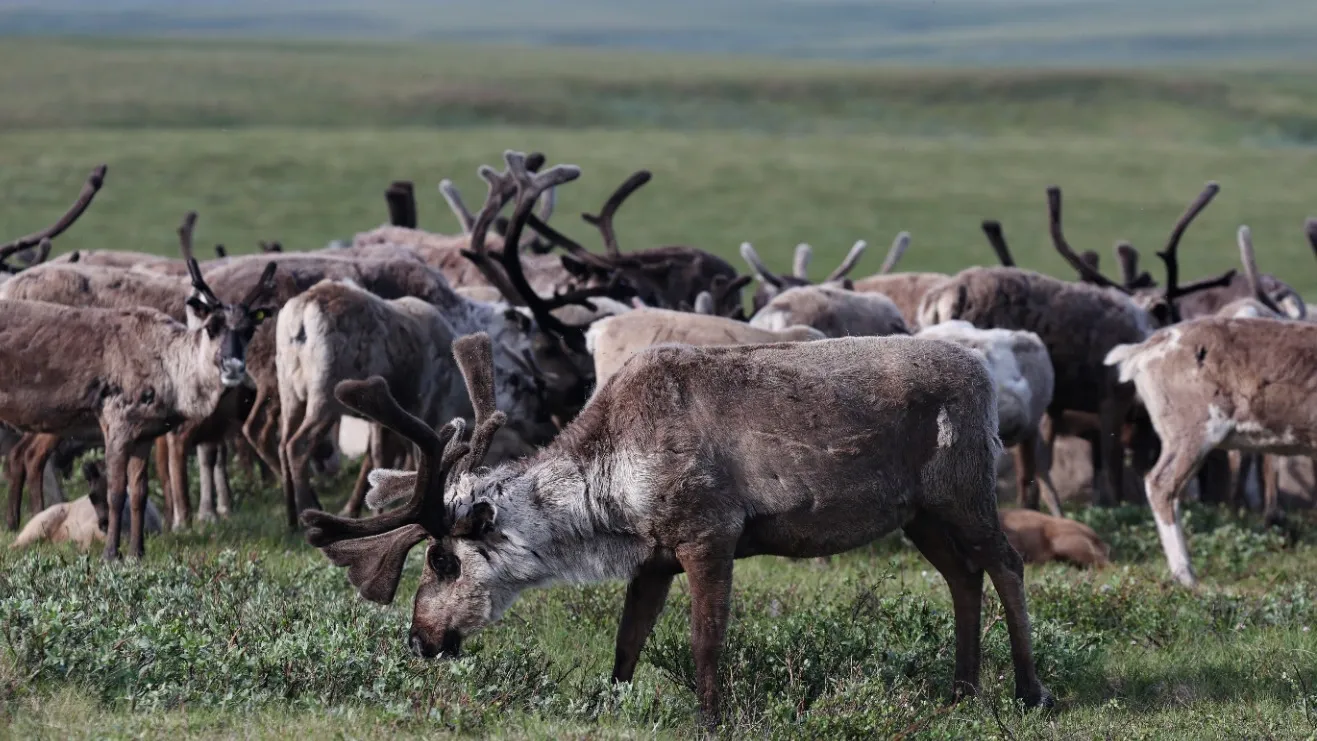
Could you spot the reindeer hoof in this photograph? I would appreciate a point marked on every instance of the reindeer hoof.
(1038, 697)
(206, 516)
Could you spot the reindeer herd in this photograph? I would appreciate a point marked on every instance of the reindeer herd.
(627, 419)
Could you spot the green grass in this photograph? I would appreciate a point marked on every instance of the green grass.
(242, 630)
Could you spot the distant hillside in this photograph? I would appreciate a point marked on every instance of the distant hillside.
(1004, 32)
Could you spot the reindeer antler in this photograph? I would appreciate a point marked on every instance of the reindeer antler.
(895, 252)
(89, 191)
(475, 358)
(185, 230)
(800, 264)
(604, 220)
(1086, 271)
(401, 199)
(768, 276)
(848, 264)
(1169, 255)
(992, 230)
(199, 283)
(1310, 229)
(1249, 259)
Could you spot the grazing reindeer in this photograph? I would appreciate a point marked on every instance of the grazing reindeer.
(149, 375)
(680, 463)
(1231, 383)
(771, 284)
(1056, 310)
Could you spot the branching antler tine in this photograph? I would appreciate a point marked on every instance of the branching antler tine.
(1169, 255)
(371, 399)
(1092, 258)
(750, 256)
(453, 197)
(847, 265)
(574, 248)
(43, 251)
(475, 359)
(894, 254)
(800, 264)
(89, 190)
(604, 220)
(263, 287)
(185, 230)
(534, 161)
(501, 190)
(1062, 246)
(1203, 284)
(401, 199)
(1128, 258)
(199, 283)
(528, 189)
(997, 239)
(1249, 259)
(221, 252)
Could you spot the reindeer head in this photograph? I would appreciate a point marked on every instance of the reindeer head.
(557, 371)
(229, 327)
(459, 592)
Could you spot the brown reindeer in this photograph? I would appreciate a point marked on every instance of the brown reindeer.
(149, 375)
(1057, 311)
(1041, 538)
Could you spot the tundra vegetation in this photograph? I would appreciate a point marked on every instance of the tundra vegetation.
(236, 627)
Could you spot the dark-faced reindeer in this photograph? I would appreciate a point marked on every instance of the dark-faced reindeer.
(149, 375)
(1055, 310)
(336, 331)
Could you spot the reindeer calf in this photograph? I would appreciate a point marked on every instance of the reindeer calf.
(1041, 538)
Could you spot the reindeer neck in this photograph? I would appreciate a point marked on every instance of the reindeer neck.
(189, 362)
(561, 522)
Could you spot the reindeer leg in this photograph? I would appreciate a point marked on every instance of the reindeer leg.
(116, 476)
(1238, 471)
(965, 581)
(206, 456)
(178, 474)
(223, 490)
(1271, 512)
(710, 580)
(161, 446)
(17, 480)
(353, 507)
(289, 421)
(1180, 459)
(645, 596)
(137, 467)
(37, 455)
(1111, 416)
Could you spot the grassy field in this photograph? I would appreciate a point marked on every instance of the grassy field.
(241, 630)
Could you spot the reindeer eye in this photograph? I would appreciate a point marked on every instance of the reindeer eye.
(258, 316)
(445, 566)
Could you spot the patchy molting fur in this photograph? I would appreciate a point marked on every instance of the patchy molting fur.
(1220, 382)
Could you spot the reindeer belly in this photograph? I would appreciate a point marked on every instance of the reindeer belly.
(820, 531)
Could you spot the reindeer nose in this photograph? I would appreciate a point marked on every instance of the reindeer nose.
(418, 647)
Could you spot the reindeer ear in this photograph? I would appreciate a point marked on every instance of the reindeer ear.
(477, 522)
(375, 562)
(90, 471)
(513, 315)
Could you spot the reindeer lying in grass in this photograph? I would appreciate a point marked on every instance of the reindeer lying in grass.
(82, 521)
(686, 460)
